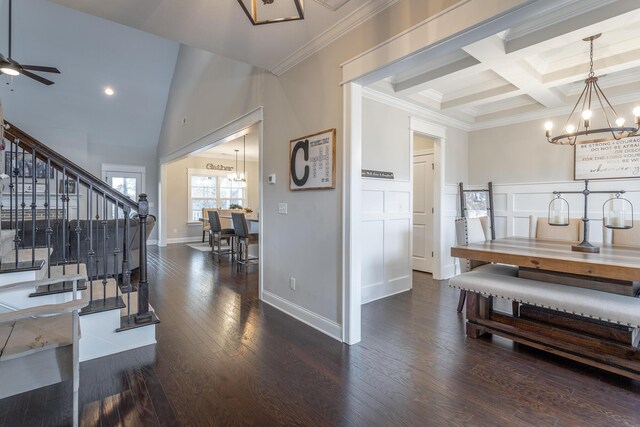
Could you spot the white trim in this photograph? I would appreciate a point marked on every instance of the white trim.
(310, 318)
(455, 27)
(217, 137)
(142, 170)
(416, 110)
(183, 240)
(333, 33)
(439, 134)
(351, 214)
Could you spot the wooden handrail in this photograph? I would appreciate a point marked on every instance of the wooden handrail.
(44, 153)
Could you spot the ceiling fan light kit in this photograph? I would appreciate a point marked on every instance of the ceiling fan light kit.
(262, 12)
(11, 67)
(592, 92)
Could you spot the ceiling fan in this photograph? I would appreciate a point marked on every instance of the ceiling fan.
(12, 67)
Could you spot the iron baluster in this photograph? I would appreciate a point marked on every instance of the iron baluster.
(126, 256)
(65, 190)
(143, 314)
(116, 247)
(23, 205)
(47, 213)
(16, 173)
(33, 207)
(78, 227)
(90, 252)
(105, 244)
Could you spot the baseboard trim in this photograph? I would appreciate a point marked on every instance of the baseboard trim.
(184, 240)
(152, 242)
(322, 324)
(384, 290)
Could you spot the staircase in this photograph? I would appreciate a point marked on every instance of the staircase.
(58, 223)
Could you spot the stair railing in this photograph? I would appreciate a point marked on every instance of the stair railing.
(27, 158)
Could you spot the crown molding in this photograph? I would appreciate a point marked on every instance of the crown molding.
(415, 110)
(333, 33)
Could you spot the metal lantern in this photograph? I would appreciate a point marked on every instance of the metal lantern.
(617, 213)
(558, 211)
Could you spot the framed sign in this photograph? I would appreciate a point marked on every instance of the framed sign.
(608, 159)
(312, 161)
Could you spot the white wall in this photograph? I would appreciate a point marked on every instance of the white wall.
(385, 139)
(520, 152)
(386, 203)
(178, 194)
(212, 91)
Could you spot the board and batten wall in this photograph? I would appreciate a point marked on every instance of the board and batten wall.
(526, 169)
(387, 204)
(212, 91)
(179, 229)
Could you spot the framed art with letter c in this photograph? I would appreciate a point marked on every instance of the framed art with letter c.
(312, 161)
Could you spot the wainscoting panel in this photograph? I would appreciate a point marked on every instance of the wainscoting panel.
(386, 238)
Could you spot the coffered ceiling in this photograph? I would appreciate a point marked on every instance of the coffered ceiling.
(530, 72)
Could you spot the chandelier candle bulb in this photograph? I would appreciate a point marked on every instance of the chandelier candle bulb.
(620, 121)
(571, 128)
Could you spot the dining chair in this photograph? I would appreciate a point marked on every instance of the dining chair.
(619, 237)
(218, 234)
(244, 239)
(539, 228)
(205, 223)
(474, 230)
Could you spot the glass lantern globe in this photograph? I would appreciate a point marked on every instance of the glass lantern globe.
(558, 212)
(617, 213)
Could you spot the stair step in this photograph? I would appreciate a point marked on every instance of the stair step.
(60, 271)
(12, 267)
(98, 305)
(24, 255)
(6, 241)
(58, 288)
(129, 322)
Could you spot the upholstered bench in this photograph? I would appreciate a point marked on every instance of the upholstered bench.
(608, 307)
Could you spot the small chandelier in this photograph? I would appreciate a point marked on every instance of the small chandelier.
(262, 12)
(242, 177)
(569, 133)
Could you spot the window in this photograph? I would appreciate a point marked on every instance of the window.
(209, 190)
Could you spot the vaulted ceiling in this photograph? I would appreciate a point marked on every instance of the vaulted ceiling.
(91, 53)
(221, 26)
(533, 71)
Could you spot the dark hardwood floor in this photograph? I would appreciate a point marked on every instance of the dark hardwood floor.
(224, 358)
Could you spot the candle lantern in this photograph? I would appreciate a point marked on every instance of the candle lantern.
(558, 211)
(617, 213)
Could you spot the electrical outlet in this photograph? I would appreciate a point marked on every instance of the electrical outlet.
(183, 121)
(282, 208)
(292, 283)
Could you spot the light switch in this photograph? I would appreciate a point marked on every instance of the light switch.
(282, 208)
(271, 179)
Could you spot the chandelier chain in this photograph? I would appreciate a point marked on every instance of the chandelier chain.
(591, 73)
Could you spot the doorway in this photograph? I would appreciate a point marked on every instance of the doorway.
(423, 203)
(129, 180)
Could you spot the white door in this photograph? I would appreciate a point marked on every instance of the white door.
(423, 212)
(128, 181)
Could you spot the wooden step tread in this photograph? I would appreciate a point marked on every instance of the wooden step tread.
(24, 255)
(32, 335)
(99, 292)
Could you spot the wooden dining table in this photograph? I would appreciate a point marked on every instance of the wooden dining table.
(615, 269)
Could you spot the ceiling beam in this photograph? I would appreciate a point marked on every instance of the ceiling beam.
(484, 97)
(491, 52)
(420, 82)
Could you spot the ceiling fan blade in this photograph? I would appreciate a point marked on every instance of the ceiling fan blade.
(41, 69)
(36, 77)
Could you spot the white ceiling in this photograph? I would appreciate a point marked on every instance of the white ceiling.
(225, 150)
(91, 53)
(531, 72)
(221, 26)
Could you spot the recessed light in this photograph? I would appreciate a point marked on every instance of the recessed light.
(108, 91)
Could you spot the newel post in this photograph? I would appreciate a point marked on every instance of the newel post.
(143, 314)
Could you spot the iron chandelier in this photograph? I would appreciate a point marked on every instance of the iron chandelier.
(262, 12)
(590, 94)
